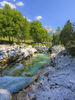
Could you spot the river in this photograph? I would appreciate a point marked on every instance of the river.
(19, 75)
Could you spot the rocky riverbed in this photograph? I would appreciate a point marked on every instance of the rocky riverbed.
(56, 81)
(12, 53)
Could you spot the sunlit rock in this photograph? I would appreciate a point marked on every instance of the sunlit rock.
(57, 48)
(5, 94)
(14, 52)
(41, 48)
(22, 96)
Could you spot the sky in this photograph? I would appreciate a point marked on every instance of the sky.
(53, 13)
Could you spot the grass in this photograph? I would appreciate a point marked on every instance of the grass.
(27, 42)
(5, 40)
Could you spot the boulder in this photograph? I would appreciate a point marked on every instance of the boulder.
(1, 53)
(5, 94)
(57, 48)
(22, 96)
(41, 48)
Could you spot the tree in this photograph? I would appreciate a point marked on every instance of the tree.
(58, 31)
(25, 29)
(38, 33)
(8, 24)
(55, 39)
(18, 21)
(13, 24)
(34, 30)
(1, 21)
(66, 35)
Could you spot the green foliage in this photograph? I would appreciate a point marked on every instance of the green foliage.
(55, 39)
(71, 50)
(38, 33)
(13, 24)
(58, 31)
(67, 37)
(25, 29)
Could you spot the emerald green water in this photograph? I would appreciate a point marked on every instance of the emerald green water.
(26, 67)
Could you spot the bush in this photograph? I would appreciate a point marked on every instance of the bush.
(71, 51)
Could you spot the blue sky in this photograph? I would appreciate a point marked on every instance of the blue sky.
(51, 13)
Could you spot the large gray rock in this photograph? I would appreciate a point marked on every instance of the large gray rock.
(22, 96)
(1, 53)
(41, 48)
(5, 94)
(58, 83)
(57, 48)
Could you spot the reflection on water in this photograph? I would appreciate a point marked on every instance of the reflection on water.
(26, 67)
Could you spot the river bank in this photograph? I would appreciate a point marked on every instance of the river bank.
(56, 80)
(14, 53)
(58, 83)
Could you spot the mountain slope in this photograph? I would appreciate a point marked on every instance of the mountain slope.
(50, 30)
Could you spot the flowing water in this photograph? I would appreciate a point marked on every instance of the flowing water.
(26, 67)
(20, 75)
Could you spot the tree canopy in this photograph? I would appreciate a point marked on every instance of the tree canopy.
(55, 39)
(38, 33)
(66, 35)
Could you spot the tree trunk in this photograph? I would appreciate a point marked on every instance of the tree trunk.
(12, 38)
(21, 40)
(24, 41)
(9, 38)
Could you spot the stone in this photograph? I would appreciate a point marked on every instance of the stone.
(56, 48)
(1, 53)
(14, 52)
(41, 48)
(5, 95)
(22, 96)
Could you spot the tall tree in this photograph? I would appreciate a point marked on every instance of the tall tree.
(34, 30)
(7, 12)
(55, 39)
(25, 29)
(66, 35)
(38, 33)
(58, 31)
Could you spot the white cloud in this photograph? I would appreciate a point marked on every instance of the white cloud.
(10, 4)
(27, 19)
(38, 17)
(20, 4)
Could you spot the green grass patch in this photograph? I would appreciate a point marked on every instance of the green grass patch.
(27, 42)
(30, 43)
